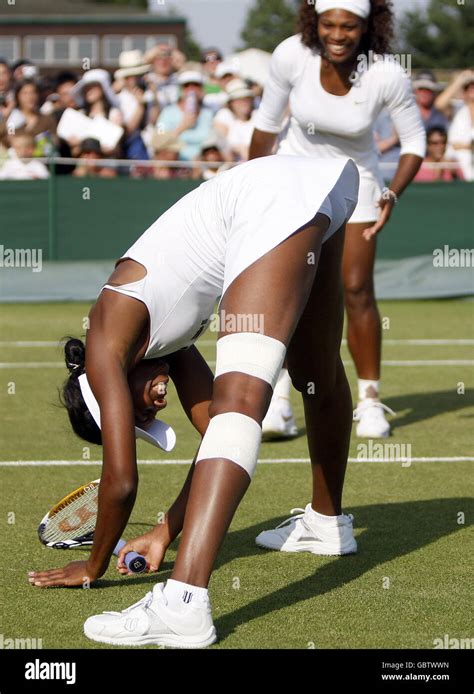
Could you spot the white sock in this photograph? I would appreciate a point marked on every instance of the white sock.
(320, 518)
(179, 594)
(283, 385)
(364, 385)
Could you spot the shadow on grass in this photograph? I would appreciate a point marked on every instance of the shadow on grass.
(390, 531)
(423, 406)
(419, 407)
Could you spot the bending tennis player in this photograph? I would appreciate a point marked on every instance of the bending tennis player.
(267, 237)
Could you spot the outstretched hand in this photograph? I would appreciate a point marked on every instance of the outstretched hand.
(76, 573)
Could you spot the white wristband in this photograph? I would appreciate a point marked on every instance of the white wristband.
(388, 194)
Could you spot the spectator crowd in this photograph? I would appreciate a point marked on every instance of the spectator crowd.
(191, 119)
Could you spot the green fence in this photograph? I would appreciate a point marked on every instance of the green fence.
(95, 219)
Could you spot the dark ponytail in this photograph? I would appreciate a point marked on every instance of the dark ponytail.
(81, 419)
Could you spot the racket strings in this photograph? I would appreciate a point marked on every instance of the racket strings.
(72, 520)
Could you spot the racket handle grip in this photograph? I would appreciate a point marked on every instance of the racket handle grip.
(133, 561)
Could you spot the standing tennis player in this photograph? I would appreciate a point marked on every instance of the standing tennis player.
(267, 239)
(336, 77)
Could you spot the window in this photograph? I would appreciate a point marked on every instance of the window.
(112, 46)
(10, 48)
(61, 50)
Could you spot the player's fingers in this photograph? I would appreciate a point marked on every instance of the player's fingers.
(44, 575)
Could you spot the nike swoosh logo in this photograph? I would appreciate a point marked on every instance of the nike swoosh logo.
(287, 419)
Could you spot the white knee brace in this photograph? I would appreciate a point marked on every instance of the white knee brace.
(251, 353)
(232, 435)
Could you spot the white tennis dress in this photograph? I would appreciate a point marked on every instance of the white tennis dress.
(326, 126)
(195, 250)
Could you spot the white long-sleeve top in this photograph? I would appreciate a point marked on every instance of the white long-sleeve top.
(324, 125)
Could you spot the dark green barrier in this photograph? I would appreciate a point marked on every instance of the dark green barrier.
(96, 219)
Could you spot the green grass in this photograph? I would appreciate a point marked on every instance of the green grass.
(407, 585)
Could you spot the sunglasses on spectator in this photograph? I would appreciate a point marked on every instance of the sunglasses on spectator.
(212, 58)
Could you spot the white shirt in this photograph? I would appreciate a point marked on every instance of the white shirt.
(461, 132)
(324, 125)
(16, 170)
(239, 132)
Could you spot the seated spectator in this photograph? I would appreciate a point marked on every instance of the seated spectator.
(461, 131)
(95, 97)
(24, 69)
(62, 97)
(211, 58)
(26, 117)
(451, 99)
(166, 149)
(225, 73)
(188, 120)
(178, 60)
(235, 123)
(7, 97)
(91, 151)
(20, 165)
(437, 139)
(162, 85)
(426, 88)
(131, 92)
(210, 153)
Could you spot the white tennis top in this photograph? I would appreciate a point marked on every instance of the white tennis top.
(324, 125)
(194, 251)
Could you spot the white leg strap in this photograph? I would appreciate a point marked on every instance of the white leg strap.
(250, 353)
(232, 436)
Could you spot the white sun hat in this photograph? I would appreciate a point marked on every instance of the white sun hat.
(237, 89)
(190, 76)
(96, 76)
(131, 63)
(157, 433)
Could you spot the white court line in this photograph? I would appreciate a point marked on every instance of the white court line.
(421, 362)
(211, 343)
(262, 461)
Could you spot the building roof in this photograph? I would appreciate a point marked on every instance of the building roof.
(79, 11)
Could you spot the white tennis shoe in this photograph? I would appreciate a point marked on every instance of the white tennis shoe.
(301, 533)
(370, 417)
(279, 422)
(151, 621)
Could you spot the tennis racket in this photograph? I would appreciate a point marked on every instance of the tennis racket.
(71, 523)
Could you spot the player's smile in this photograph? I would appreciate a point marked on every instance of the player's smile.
(148, 385)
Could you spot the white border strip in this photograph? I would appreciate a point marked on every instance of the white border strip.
(211, 343)
(262, 461)
(423, 362)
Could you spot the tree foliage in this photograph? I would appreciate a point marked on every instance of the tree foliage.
(268, 23)
(440, 37)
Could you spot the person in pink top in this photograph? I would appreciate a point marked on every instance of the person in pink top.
(437, 140)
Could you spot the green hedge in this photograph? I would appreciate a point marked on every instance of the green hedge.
(97, 219)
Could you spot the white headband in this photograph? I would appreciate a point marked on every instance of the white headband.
(359, 7)
(157, 433)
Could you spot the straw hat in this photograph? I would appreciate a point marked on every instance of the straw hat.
(131, 63)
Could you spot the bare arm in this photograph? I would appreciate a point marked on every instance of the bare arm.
(193, 380)
(262, 144)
